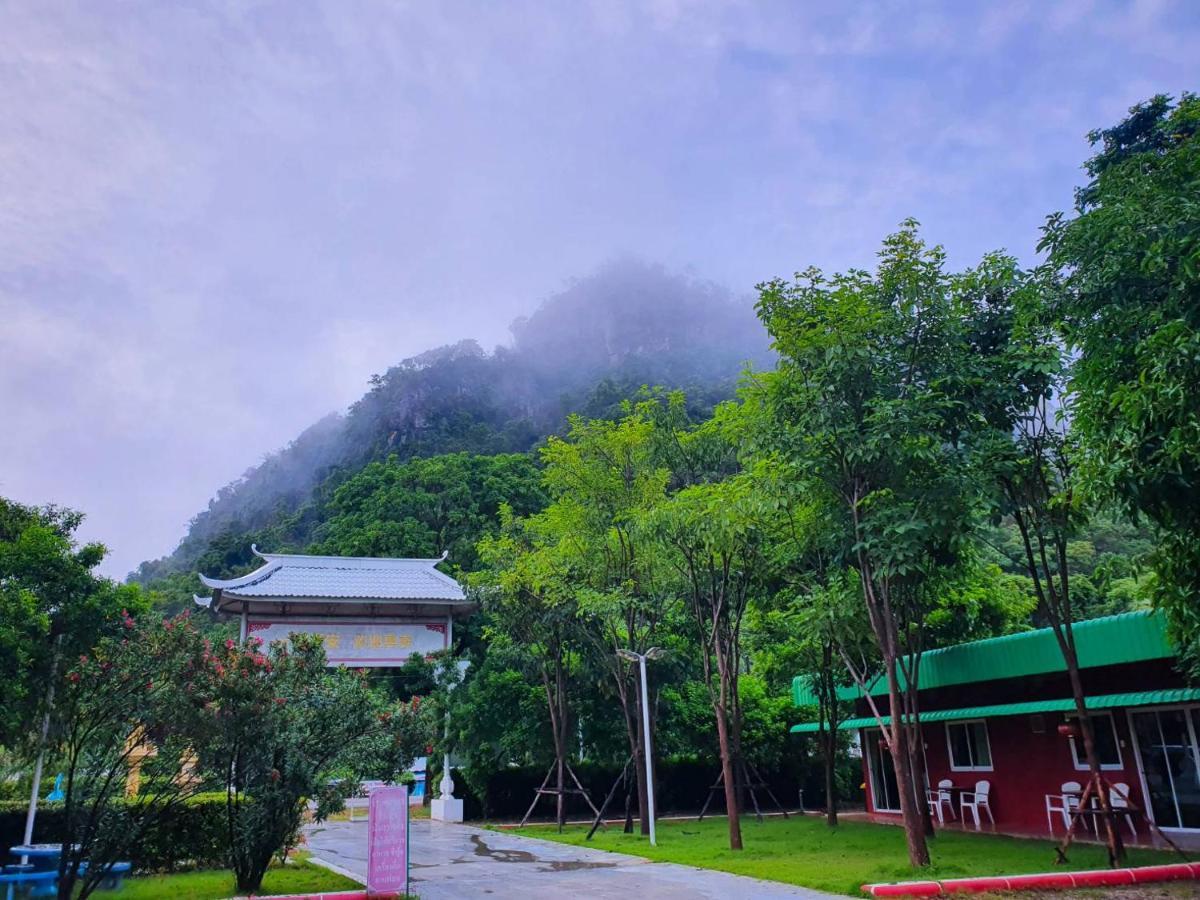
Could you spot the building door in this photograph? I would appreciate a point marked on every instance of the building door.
(884, 796)
(1170, 764)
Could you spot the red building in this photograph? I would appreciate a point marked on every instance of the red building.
(991, 712)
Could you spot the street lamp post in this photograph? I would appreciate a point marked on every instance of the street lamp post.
(640, 659)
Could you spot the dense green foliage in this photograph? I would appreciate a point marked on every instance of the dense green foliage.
(52, 604)
(1130, 307)
(280, 726)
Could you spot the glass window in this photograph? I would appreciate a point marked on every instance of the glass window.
(1108, 750)
(969, 747)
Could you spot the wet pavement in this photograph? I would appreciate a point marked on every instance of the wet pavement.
(457, 862)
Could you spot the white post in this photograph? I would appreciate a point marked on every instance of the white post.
(447, 807)
(243, 628)
(31, 815)
(646, 734)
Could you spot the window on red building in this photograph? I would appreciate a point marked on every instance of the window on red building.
(969, 748)
(1108, 750)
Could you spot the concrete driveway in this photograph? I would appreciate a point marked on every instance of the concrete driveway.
(457, 862)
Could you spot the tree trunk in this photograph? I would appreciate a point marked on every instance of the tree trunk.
(1116, 845)
(829, 745)
(728, 770)
(561, 816)
(637, 748)
(914, 832)
(916, 757)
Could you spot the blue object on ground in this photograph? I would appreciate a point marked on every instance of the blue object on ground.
(41, 883)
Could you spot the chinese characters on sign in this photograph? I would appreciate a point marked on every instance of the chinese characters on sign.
(359, 642)
(387, 840)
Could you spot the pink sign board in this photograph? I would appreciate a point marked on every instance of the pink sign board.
(387, 840)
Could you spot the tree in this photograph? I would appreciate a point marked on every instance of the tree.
(871, 403)
(603, 477)
(142, 694)
(52, 606)
(714, 534)
(532, 609)
(828, 629)
(279, 727)
(1031, 453)
(1129, 306)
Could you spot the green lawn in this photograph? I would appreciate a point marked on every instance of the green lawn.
(211, 884)
(803, 851)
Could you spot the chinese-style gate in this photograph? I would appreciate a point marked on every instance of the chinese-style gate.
(371, 612)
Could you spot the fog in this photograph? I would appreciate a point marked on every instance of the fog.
(220, 220)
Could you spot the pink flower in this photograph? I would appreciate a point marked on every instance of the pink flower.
(229, 644)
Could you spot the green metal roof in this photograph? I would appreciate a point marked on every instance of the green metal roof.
(1107, 701)
(1128, 637)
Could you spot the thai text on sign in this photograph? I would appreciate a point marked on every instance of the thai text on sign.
(358, 642)
(387, 840)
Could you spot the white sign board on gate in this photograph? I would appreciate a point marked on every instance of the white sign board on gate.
(358, 642)
(387, 840)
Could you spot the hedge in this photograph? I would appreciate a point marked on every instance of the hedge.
(194, 836)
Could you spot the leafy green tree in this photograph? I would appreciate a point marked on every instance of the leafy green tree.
(280, 725)
(499, 716)
(872, 402)
(532, 611)
(713, 535)
(1031, 454)
(142, 692)
(603, 476)
(1129, 261)
(53, 606)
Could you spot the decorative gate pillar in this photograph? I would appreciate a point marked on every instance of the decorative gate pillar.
(370, 612)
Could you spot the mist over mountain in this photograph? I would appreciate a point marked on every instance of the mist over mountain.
(584, 349)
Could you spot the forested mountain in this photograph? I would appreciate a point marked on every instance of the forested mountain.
(584, 350)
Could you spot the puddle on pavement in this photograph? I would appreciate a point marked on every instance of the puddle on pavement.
(524, 856)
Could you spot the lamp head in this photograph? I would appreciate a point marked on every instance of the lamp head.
(628, 654)
(655, 653)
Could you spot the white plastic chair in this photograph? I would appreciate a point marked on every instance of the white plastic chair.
(941, 795)
(1062, 804)
(1118, 799)
(977, 800)
(1066, 804)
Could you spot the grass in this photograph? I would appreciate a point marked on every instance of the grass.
(801, 850)
(299, 877)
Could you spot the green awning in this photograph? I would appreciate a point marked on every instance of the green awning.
(1108, 701)
(1111, 640)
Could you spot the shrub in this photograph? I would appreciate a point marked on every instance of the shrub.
(192, 836)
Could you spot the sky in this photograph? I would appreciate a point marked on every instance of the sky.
(217, 220)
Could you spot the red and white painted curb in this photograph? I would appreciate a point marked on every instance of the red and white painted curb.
(333, 895)
(1046, 881)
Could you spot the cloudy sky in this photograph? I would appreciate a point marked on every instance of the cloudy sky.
(217, 220)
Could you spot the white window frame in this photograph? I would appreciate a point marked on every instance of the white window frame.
(991, 767)
(1081, 764)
